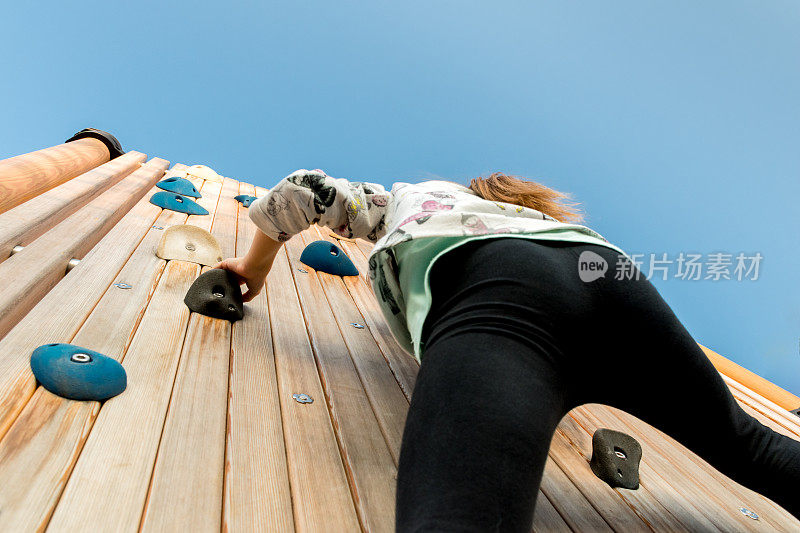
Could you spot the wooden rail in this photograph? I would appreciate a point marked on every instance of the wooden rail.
(28, 175)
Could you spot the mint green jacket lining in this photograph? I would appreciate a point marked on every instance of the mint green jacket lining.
(415, 258)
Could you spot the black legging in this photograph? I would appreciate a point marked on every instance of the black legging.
(514, 341)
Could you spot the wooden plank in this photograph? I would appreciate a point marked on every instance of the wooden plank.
(546, 519)
(28, 175)
(718, 497)
(570, 503)
(572, 450)
(388, 402)
(779, 418)
(684, 509)
(751, 380)
(368, 460)
(108, 486)
(257, 492)
(119, 493)
(37, 268)
(403, 365)
(22, 224)
(320, 489)
(41, 447)
(186, 489)
(75, 296)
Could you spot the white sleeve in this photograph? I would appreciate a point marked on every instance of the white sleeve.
(305, 197)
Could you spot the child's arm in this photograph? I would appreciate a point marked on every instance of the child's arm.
(253, 268)
(350, 209)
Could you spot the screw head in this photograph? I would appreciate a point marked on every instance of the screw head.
(81, 358)
(356, 325)
(748, 513)
(302, 398)
(191, 247)
(121, 285)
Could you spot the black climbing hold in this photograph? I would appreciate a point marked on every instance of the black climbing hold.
(327, 257)
(176, 202)
(77, 373)
(615, 458)
(179, 185)
(111, 142)
(245, 199)
(216, 293)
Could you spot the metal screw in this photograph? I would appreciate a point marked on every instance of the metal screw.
(619, 453)
(304, 271)
(158, 227)
(356, 325)
(123, 286)
(17, 249)
(303, 398)
(218, 295)
(72, 263)
(81, 358)
(191, 247)
(748, 513)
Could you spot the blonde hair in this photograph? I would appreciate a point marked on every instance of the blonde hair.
(509, 189)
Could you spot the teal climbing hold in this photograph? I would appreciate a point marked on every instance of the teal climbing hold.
(327, 257)
(180, 186)
(176, 202)
(76, 373)
(245, 199)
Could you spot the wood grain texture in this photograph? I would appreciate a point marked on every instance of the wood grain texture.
(257, 493)
(320, 488)
(108, 486)
(572, 451)
(186, 488)
(28, 175)
(42, 264)
(364, 449)
(403, 365)
(75, 297)
(752, 381)
(717, 496)
(41, 447)
(389, 403)
(22, 224)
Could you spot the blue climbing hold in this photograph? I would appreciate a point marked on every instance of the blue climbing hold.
(176, 202)
(77, 373)
(245, 199)
(179, 185)
(327, 257)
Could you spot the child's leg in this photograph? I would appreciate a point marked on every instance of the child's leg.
(653, 368)
(482, 415)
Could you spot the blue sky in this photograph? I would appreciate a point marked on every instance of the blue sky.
(676, 124)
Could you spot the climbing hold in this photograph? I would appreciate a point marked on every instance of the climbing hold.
(217, 294)
(180, 186)
(189, 243)
(77, 373)
(245, 199)
(327, 257)
(615, 458)
(176, 202)
(204, 173)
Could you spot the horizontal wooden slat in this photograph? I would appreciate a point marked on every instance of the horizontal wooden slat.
(28, 175)
(37, 268)
(115, 467)
(21, 225)
(74, 296)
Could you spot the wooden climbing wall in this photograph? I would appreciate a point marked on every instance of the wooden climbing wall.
(208, 436)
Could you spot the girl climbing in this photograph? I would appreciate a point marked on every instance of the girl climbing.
(483, 285)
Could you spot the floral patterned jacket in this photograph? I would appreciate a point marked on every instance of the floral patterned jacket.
(409, 211)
